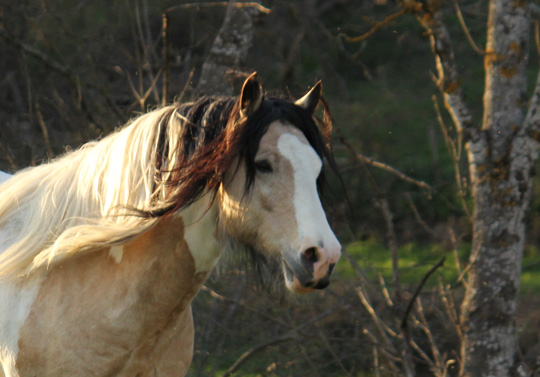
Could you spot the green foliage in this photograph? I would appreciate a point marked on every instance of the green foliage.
(415, 260)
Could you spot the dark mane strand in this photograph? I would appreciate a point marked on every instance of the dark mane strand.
(212, 134)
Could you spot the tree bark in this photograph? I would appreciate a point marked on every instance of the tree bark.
(501, 156)
(501, 159)
(229, 49)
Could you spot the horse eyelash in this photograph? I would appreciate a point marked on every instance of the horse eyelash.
(263, 166)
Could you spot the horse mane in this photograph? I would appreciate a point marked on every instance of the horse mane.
(113, 190)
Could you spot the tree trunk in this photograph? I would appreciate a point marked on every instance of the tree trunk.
(501, 159)
(229, 49)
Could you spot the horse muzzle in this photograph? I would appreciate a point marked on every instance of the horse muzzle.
(310, 270)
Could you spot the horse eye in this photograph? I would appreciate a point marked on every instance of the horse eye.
(263, 166)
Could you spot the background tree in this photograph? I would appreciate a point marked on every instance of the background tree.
(74, 70)
(501, 153)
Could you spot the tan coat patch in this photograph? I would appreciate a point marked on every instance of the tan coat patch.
(96, 317)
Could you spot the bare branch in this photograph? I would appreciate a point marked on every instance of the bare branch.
(437, 358)
(333, 353)
(278, 339)
(376, 26)
(382, 327)
(418, 290)
(477, 49)
(9, 156)
(44, 132)
(418, 218)
(448, 80)
(383, 204)
(372, 162)
(454, 148)
(165, 58)
(254, 5)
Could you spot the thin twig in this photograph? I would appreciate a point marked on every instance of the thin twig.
(333, 353)
(450, 308)
(466, 30)
(417, 292)
(439, 370)
(44, 132)
(245, 306)
(376, 26)
(9, 156)
(418, 218)
(454, 148)
(392, 243)
(257, 6)
(186, 86)
(165, 58)
(381, 326)
(385, 292)
(376, 365)
(278, 339)
(372, 162)
(448, 80)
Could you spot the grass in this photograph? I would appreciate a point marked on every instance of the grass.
(415, 260)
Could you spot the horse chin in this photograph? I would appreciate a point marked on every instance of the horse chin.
(295, 286)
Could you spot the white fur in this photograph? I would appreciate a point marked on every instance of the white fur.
(117, 253)
(16, 298)
(4, 176)
(199, 222)
(314, 229)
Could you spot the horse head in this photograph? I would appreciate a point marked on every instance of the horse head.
(269, 199)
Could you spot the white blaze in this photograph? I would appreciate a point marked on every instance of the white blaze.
(313, 227)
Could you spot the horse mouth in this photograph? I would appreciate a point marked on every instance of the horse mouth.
(295, 285)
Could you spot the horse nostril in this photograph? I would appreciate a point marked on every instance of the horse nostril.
(311, 254)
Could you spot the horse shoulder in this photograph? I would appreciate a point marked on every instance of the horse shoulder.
(115, 311)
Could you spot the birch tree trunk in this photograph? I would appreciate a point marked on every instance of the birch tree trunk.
(501, 162)
(501, 155)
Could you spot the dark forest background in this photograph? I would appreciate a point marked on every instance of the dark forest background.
(75, 70)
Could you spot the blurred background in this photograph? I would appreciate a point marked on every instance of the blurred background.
(75, 70)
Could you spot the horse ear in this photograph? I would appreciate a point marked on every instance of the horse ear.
(251, 96)
(310, 101)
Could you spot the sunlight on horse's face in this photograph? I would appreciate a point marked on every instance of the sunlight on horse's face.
(283, 213)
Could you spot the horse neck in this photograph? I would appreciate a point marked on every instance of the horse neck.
(199, 221)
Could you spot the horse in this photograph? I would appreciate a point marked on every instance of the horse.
(103, 249)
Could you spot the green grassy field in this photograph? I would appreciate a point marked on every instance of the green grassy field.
(415, 260)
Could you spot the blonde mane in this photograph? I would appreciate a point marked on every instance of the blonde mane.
(88, 199)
